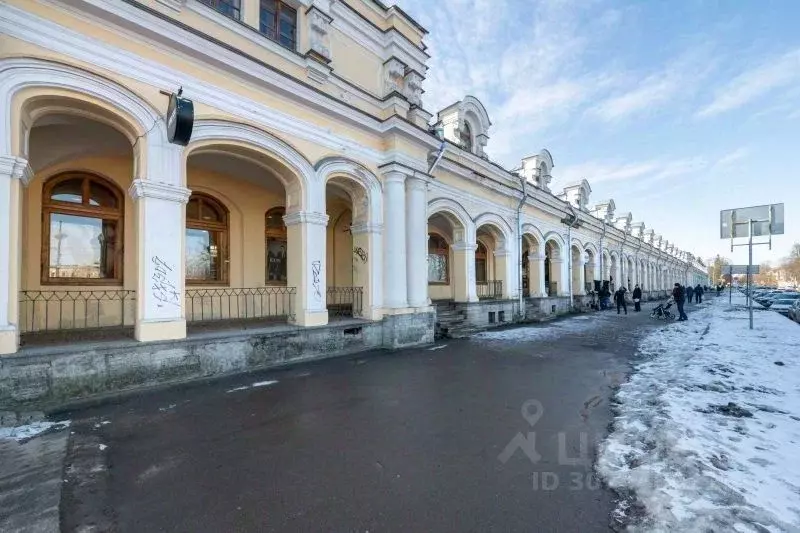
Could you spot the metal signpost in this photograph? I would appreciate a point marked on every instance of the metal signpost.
(756, 221)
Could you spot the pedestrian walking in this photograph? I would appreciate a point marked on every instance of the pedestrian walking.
(698, 294)
(678, 294)
(619, 299)
(637, 299)
(689, 293)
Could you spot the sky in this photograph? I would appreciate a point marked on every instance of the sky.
(674, 109)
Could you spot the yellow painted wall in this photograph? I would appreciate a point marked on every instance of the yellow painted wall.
(355, 63)
(339, 245)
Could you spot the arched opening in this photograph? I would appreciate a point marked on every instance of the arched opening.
(78, 233)
(238, 250)
(630, 274)
(491, 263)
(589, 271)
(466, 137)
(533, 271)
(614, 273)
(345, 279)
(442, 230)
(552, 269)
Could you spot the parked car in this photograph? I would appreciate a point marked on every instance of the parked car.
(783, 305)
(794, 312)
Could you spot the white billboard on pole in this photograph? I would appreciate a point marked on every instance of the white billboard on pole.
(766, 220)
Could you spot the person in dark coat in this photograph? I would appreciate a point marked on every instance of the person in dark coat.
(678, 295)
(619, 299)
(637, 299)
(698, 294)
(689, 293)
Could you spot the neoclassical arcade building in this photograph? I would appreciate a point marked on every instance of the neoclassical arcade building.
(315, 195)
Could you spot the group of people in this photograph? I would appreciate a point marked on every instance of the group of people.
(679, 293)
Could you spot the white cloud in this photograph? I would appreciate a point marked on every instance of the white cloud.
(750, 85)
(653, 91)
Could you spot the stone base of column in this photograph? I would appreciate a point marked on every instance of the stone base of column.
(160, 330)
(9, 340)
(310, 318)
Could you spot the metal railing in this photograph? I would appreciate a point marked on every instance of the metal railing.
(345, 301)
(49, 311)
(210, 305)
(490, 290)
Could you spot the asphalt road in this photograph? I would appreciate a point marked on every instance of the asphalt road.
(406, 441)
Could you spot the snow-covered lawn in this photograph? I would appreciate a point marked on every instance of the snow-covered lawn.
(29, 431)
(707, 434)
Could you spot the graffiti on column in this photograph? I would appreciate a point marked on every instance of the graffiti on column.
(360, 253)
(163, 289)
(316, 270)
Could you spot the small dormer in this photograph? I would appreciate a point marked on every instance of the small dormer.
(623, 222)
(637, 230)
(604, 211)
(537, 170)
(649, 235)
(657, 240)
(577, 194)
(466, 124)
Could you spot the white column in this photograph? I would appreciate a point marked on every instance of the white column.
(160, 223)
(306, 266)
(417, 241)
(368, 267)
(14, 174)
(394, 230)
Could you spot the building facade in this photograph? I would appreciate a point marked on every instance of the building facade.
(314, 185)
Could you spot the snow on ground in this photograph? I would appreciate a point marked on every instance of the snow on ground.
(707, 436)
(253, 386)
(29, 431)
(576, 324)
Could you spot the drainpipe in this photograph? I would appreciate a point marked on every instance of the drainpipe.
(519, 243)
(439, 154)
(569, 255)
(602, 236)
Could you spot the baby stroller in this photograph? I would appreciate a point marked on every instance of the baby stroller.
(662, 311)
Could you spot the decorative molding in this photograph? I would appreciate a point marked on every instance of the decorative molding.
(16, 168)
(359, 229)
(319, 24)
(305, 217)
(148, 188)
(394, 72)
(413, 88)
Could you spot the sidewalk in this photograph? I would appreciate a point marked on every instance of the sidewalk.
(708, 427)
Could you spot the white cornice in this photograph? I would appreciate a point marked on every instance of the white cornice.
(146, 188)
(305, 217)
(16, 168)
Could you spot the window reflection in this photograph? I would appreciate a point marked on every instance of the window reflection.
(81, 247)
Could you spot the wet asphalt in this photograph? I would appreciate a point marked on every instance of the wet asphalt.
(429, 439)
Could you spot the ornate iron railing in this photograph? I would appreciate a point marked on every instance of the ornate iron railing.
(345, 301)
(47, 311)
(208, 305)
(490, 290)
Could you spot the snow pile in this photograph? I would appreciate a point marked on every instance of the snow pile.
(707, 435)
(576, 324)
(29, 431)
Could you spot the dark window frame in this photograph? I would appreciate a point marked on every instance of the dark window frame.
(230, 8)
(438, 246)
(274, 234)
(83, 209)
(281, 9)
(222, 229)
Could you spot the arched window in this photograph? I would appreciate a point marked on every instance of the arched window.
(276, 246)
(480, 263)
(82, 230)
(206, 241)
(466, 137)
(438, 260)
